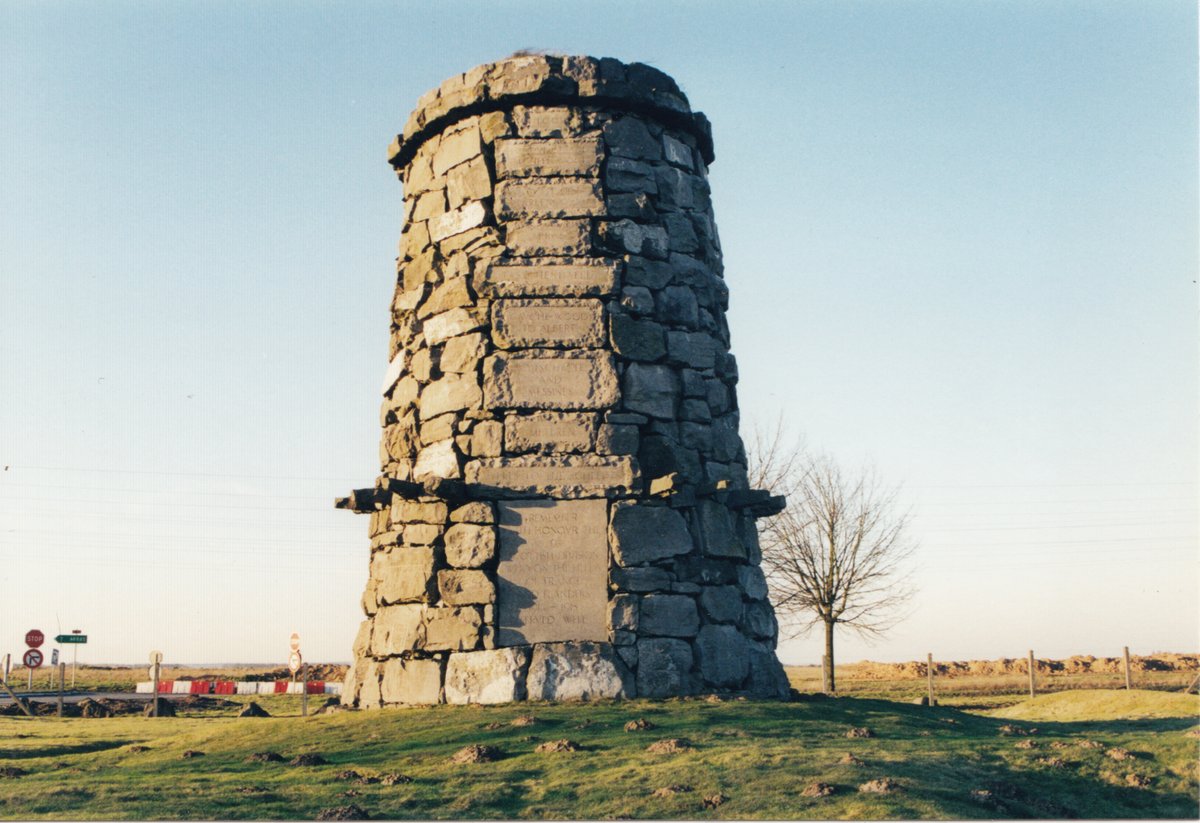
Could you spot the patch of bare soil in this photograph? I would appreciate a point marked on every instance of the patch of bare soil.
(817, 790)
(563, 745)
(849, 760)
(476, 754)
(883, 785)
(672, 745)
(670, 791)
(524, 720)
(1051, 762)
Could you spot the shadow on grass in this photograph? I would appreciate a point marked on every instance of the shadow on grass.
(62, 749)
(1024, 793)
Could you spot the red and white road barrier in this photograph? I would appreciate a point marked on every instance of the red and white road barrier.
(238, 687)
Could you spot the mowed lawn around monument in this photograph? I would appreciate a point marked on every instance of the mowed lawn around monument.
(742, 759)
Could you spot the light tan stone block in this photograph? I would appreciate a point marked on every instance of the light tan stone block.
(411, 682)
(469, 545)
(398, 629)
(403, 574)
(452, 628)
(450, 393)
(457, 147)
(464, 587)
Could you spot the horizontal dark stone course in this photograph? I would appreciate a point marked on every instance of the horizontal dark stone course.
(633, 88)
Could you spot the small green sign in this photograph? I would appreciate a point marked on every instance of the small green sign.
(71, 638)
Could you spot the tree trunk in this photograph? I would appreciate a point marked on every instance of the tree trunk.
(830, 683)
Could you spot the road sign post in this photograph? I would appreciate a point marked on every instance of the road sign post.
(32, 660)
(62, 667)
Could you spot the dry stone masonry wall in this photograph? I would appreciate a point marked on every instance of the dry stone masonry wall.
(562, 510)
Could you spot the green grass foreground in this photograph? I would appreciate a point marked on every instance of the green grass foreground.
(760, 756)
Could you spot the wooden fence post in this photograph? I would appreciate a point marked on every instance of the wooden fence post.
(1032, 687)
(1128, 676)
(929, 673)
(154, 697)
(62, 669)
(22, 704)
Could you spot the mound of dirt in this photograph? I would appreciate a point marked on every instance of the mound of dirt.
(860, 732)
(394, 779)
(252, 709)
(351, 812)
(563, 745)
(475, 754)
(93, 708)
(883, 785)
(524, 720)
(641, 724)
(714, 800)
(817, 790)
(165, 707)
(1078, 664)
(672, 745)
(265, 757)
(190, 753)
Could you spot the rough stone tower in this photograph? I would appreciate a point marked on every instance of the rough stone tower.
(562, 510)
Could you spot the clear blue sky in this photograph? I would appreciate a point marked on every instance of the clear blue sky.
(960, 237)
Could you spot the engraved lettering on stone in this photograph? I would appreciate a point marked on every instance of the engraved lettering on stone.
(550, 382)
(553, 571)
(521, 323)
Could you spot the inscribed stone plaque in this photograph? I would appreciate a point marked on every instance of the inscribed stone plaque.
(560, 476)
(553, 571)
(549, 432)
(550, 380)
(547, 322)
(550, 277)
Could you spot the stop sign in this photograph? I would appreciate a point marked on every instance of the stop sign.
(34, 638)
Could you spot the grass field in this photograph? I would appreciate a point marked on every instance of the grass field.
(759, 757)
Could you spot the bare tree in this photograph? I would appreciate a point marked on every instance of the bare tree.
(837, 554)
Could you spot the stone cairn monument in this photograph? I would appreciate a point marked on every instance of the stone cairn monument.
(562, 510)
